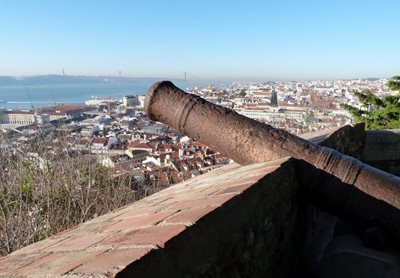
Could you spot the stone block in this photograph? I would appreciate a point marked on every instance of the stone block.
(111, 262)
(156, 235)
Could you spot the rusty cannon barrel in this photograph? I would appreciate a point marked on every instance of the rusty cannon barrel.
(248, 141)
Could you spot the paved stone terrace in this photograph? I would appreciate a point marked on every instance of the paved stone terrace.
(107, 244)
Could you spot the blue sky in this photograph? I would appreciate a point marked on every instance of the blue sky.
(208, 39)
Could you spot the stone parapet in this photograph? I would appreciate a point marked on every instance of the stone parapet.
(242, 221)
(382, 150)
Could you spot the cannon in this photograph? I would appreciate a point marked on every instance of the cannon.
(345, 186)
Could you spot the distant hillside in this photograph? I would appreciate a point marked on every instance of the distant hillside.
(61, 79)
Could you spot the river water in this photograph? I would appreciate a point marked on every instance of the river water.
(33, 96)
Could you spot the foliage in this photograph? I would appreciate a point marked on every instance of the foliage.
(377, 113)
(42, 193)
(394, 83)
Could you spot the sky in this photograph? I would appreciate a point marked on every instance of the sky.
(207, 39)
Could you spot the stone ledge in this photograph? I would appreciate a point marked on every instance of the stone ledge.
(146, 230)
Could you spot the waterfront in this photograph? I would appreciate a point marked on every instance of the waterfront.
(26, 97)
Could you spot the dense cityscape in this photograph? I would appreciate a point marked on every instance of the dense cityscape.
(120, 136)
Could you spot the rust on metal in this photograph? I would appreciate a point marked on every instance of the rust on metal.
(248, 141)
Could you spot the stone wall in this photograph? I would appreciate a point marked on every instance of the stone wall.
(236, 221)
(264, 232)
(382, 150)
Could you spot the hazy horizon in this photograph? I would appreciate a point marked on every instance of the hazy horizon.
(200, 80)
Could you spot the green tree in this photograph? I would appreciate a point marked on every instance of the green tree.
(377, 113)
(394, 83)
